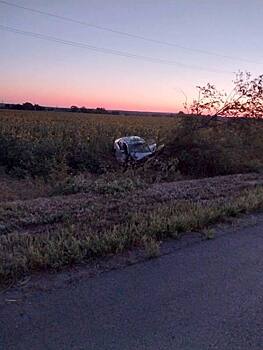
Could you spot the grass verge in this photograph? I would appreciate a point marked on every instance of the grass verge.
(24, 253)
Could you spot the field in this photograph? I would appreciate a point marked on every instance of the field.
(64, 200)
(38, 143)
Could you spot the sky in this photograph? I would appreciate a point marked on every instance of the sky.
(51, 73)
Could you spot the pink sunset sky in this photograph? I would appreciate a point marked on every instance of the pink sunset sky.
(52, 73)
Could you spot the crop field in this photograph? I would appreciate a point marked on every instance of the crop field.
(43, 143)
(37, 143)
(65, 200)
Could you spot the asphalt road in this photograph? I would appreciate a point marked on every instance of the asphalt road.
(204, 296)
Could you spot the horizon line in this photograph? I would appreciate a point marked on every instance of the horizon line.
(90, 108)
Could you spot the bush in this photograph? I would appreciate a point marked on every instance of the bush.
(22, 158)
(215, 150)
(80, 158)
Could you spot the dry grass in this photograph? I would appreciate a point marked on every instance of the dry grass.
(74, 243)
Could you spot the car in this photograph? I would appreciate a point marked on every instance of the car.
(133, 148)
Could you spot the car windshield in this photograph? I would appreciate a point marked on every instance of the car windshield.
(140, 148)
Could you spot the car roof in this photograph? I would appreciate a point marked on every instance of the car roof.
(131, 139)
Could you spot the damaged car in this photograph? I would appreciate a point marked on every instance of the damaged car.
(133, 148)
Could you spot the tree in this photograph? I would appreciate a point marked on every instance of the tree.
(200, 143)
(28, 106)
(74, 109)
(245, 99)
(180, 114)
(83, 109)
(38, 107)
(100, 110)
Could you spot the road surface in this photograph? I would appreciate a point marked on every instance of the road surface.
(203, 296)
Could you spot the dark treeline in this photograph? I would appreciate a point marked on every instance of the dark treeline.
(28, 106)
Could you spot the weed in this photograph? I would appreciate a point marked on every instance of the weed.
(208, 233)
(151, 247)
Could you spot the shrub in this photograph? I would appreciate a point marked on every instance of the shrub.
(215, 150)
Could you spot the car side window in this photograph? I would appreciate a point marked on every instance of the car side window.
(125, 148)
